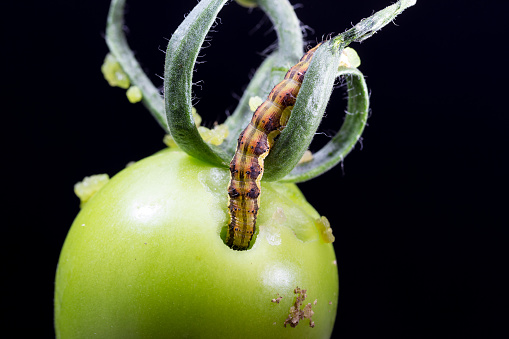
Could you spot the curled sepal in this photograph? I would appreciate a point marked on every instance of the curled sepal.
(306, 115)
(289, 50)
(181, 54)
(119, 48)
(314, 96)
(289, 32)
(346, 138)
(242, 115)
(370, 25)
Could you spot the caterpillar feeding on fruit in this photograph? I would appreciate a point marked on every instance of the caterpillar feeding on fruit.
(253, 145)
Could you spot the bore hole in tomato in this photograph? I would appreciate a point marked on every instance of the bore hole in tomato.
(223, 234)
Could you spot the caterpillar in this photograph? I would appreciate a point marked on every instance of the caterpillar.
(253, 145)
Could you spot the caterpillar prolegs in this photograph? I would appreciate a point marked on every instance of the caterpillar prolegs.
(253, 146)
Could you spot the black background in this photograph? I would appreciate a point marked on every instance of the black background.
(418, 212)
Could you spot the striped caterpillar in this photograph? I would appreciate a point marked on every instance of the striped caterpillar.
(253, 146)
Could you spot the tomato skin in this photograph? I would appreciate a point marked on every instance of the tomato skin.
(144, 259)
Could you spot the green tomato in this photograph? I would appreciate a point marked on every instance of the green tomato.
(145, 258)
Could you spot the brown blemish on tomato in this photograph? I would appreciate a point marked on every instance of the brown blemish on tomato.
(296, 313)
(277, 300)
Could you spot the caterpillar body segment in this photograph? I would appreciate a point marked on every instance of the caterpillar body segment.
(253, 145)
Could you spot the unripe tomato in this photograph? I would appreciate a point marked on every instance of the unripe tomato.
(145, 258)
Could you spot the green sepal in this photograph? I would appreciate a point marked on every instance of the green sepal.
(119, 48)
(343, 142)
(181, 54)
(367, 27)
(312, 101)
(289, 33)
(306, 115)
(243, 113)
(273, 69)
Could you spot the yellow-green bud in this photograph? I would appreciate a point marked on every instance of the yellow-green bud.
(89, 186)
(134, 94)
(254, 102)
(113, 73)
(247, 3)
(349, 58)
